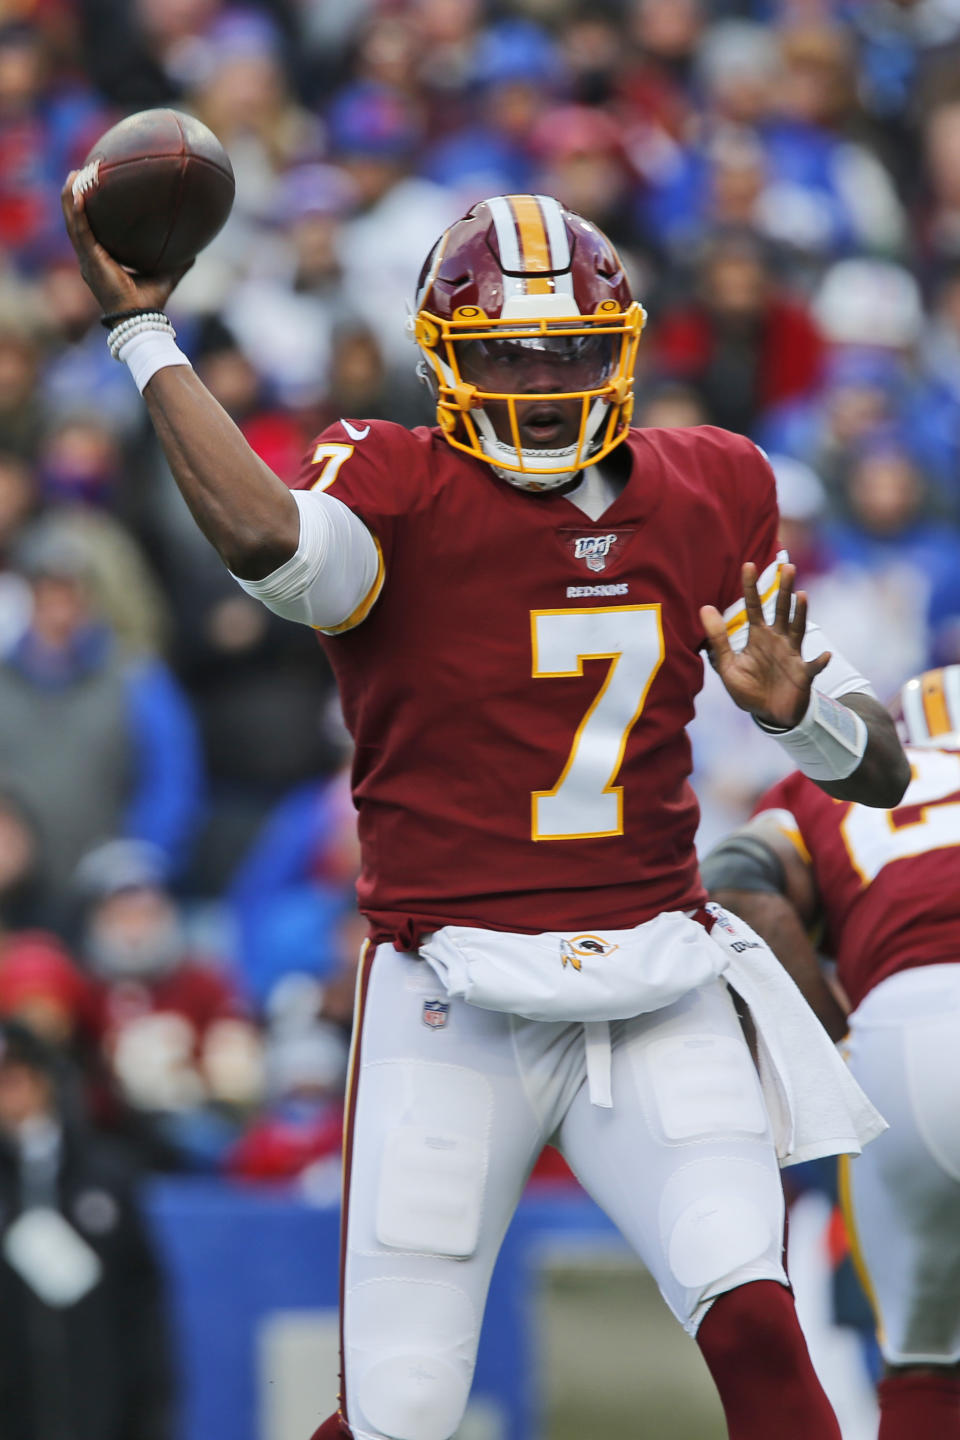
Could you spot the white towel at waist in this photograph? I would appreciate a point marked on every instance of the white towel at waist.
(815, 1106)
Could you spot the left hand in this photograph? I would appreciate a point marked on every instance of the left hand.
(769, 677)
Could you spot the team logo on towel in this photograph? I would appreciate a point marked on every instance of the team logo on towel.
(584, 947)
(435, 1013)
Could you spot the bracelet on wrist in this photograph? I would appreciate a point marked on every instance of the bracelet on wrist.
(110, 318)
(146, 320)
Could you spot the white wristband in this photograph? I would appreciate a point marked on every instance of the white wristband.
(828, 743)
(149, 351)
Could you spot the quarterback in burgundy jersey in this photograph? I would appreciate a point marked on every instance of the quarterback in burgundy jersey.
(535, 672)
(881, 890)
(515, 604)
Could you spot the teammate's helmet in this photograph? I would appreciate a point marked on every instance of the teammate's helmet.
(928, 712)
(517, 282)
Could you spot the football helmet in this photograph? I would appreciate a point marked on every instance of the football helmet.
(927, 709)
(522, 301)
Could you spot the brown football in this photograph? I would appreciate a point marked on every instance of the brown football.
(158, 187)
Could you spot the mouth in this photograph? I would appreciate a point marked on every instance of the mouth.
(545, 426)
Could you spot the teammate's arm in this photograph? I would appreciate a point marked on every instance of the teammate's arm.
(846, 743)
(759, 874)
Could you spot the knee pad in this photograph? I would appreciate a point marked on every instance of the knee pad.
(410, 1358)
(719, 1216)
(705, 1086)
(434, 1165)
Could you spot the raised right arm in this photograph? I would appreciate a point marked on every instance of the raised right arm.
(306, 556)
(243, 508)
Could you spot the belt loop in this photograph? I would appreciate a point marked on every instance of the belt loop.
(596, 1037)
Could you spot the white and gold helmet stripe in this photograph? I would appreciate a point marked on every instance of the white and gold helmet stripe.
(931, 706)
(533, 243)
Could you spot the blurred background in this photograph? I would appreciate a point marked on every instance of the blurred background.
(177, 849)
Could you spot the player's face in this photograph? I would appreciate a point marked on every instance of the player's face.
(541, 367)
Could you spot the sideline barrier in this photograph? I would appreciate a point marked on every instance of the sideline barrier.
(253, 1289)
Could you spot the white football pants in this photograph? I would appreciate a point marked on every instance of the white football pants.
(902, 1195)
(445, 1122)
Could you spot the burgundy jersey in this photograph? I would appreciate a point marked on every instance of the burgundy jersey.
(888, 880)
(518, 692)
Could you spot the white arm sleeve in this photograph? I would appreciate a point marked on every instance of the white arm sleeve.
(336, 574)
(839, 678)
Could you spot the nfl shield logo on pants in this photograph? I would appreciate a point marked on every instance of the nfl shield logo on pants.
(435, 1013)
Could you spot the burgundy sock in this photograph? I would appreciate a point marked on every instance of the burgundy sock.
(756, 1353)
(919, 1404)
(333, 1428)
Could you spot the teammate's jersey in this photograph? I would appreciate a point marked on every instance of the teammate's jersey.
(519, 688)
(888, 880)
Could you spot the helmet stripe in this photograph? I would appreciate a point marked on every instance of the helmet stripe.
(534, 245)
(935, 703)
(561, 259)
(951, 689)
(507, 239)
(913, 713)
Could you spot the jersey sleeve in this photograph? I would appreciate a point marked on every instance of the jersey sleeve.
(784, 804)
(371, 472)
(375, 468)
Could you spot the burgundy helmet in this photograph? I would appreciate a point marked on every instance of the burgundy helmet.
(519, 280)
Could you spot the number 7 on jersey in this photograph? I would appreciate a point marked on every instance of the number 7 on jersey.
(585, 803)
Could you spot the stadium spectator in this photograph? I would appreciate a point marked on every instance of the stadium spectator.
(298, 1132)
(84, 1333)
(285, 314)
(513, 76)
(21, 413)
(76, 378)
(374, 136)
(743, 344)
(20, 903)
(131, 765)
(47, 121)
(292, 895)
(18, 501)
(171, 1024)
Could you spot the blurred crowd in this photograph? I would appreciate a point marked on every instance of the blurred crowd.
(177, 847)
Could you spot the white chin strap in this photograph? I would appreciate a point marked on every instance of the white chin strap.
(537, 461)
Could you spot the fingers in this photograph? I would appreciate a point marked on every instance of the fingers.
(814, 667)
(751, 596)
(68, 204)
(716, 632)
(798, 625)
(781, 617)
(75, 216)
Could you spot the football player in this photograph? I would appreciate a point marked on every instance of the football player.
(515, 604)
(882, 888)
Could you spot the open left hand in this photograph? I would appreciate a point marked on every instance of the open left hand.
(769, 677)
